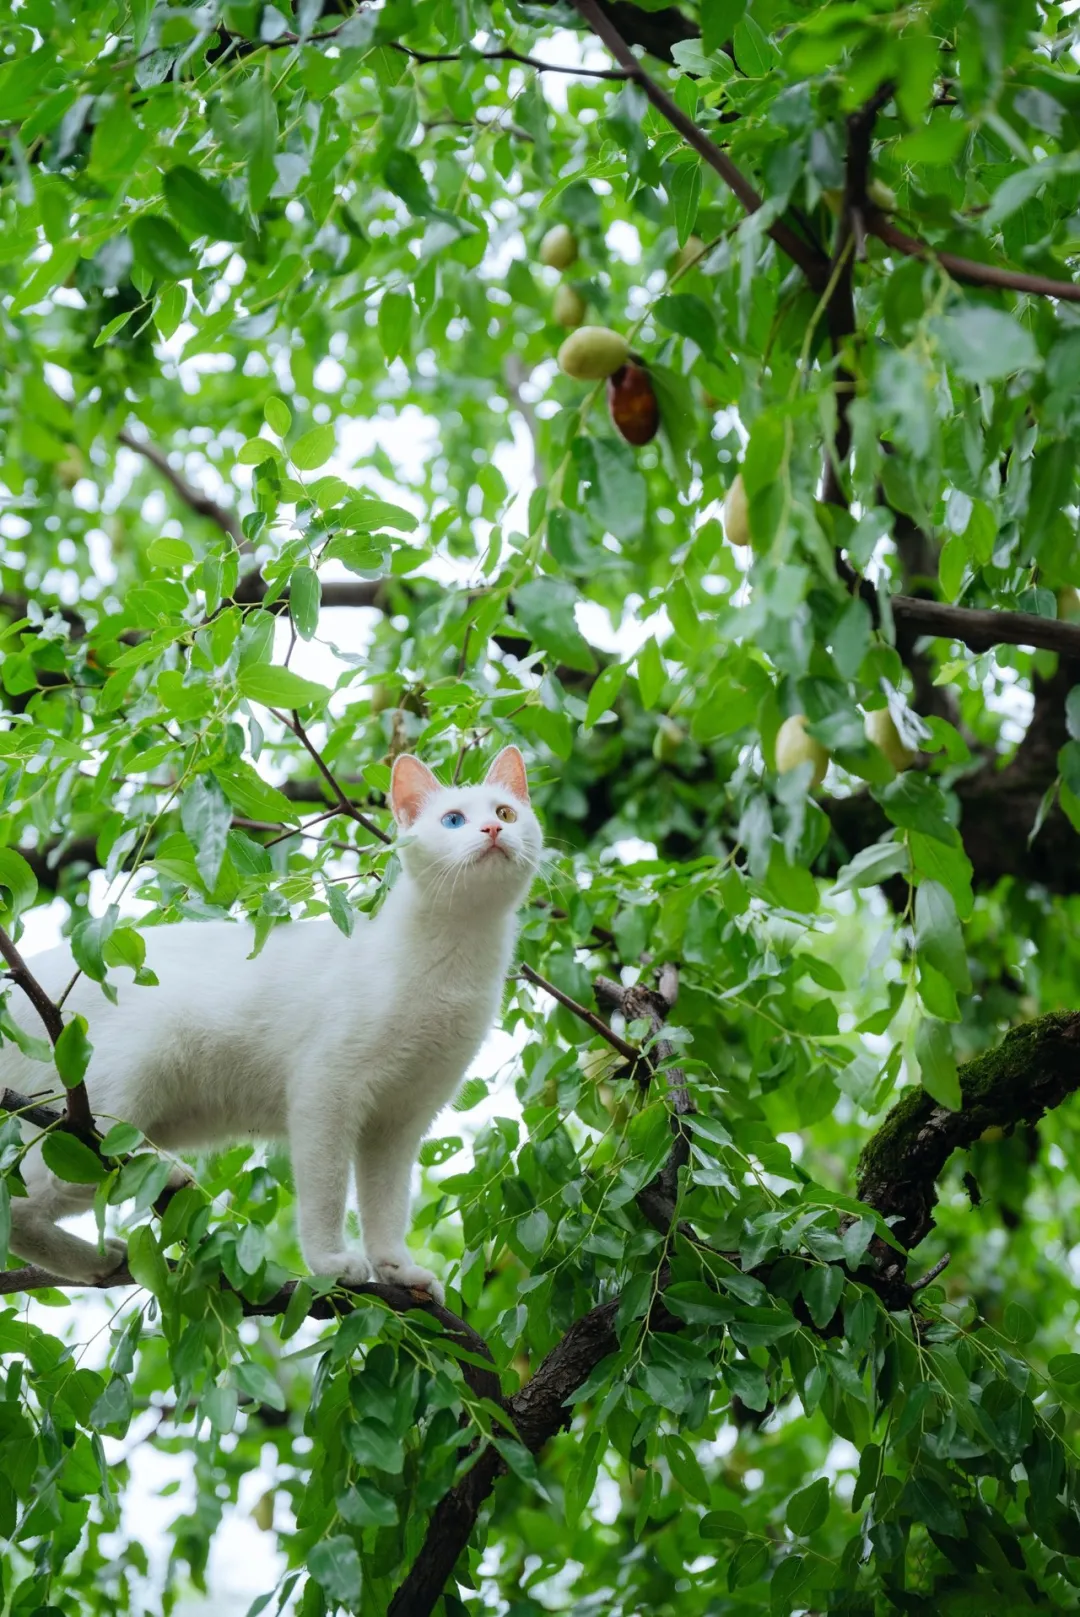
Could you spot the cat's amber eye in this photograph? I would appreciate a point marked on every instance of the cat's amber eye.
(506, 813)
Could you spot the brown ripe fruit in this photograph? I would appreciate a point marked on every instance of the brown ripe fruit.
(593, 352)
(569, 307)
(632, 402)
(558, 249)
(795, 747)
(881, 730)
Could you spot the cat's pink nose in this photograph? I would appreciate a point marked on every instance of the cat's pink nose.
(492, 828)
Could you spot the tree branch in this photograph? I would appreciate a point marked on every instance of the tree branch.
(627, 1051)
(813, 266)
(343, 802)
(969, 270)
(1033, 1070)
(192, 497)
(78, 1117)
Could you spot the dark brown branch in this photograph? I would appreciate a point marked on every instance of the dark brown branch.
(42, 1117)
(79, 1117)
(590, 1018)
(202, 504)
(508, 55)
(969, 270)
(800, 252)
(1035, 1068)
(343, 802)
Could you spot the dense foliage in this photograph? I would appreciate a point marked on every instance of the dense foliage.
(292, 484)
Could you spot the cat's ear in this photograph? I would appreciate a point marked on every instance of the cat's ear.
(508, 771)
(411, 784)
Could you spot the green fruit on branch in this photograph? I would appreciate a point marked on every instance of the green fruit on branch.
(737, 514)
(795, 747)
(558, 249)
(569, 307)
(881, 195)
(881, 730)
(689, 253)
(593, 352)
(667, 740)
(635, 412)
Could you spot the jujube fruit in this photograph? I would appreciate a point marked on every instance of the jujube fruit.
(558, 249)
(795, 747)
(689, 253)
(881, 730)
(569, 306)
(634, 409)
(737, 513)
(592, 352)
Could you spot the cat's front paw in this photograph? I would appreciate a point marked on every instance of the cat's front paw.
(113, 1258)
(401, 1271)
(347, 1268)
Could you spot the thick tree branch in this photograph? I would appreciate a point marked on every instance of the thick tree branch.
(1034, 1069)
(813, 266)
(78, 1117)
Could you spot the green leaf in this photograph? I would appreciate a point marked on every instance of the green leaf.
(120, 1139)
(206, 817)
(938, 937)
(146, 1262)
(200, 207)
(822, 1289)
(617, 498)
(313, 449)
(984, 344)
(367, 512)
(937, 1063)
(278, 416)
(279, 687)
(73, 1051)
(18, 886)
(304, 597)
(395, 323)
(807, 1510)
(160, 248)
(335, 1565)
(651, 674)
(545, 609)
(606, 687)
(684, 189)
(70, 1159)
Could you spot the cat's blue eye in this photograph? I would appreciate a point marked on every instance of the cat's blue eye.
(453, 819)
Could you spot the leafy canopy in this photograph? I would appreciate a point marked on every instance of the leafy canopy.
(292, 484)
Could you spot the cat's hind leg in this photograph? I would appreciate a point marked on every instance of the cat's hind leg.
(36, 1236)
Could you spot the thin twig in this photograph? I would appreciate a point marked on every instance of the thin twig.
(590, 1018)
(79, 1115)
(345, 806)
(931, 1274)
(969, 270)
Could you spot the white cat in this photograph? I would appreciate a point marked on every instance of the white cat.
(346, 1047)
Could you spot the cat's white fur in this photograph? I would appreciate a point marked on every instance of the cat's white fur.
(344, 1047)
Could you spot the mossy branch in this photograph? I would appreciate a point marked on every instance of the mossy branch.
(1034, 1069)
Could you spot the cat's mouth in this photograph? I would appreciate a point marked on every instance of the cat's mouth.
(496, 847)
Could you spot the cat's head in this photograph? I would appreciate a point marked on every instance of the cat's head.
(461, 842)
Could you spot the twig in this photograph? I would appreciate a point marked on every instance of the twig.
(345, 806)
(79, 1116)
(969, 270)
(507, 55)
(198, 502)
(590, 1018)
(932, 1274)
(813, 266)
